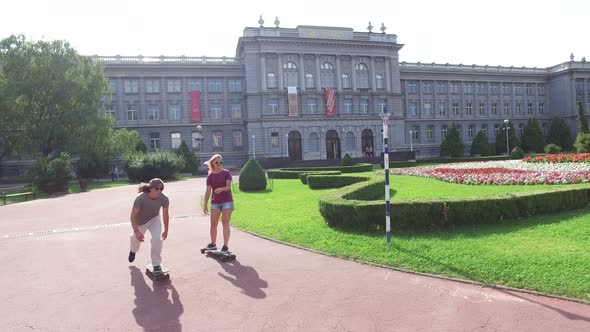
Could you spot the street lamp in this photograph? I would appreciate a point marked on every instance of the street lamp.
(254, 146)
(506, 122)
(411, 140)
(200, 138)
(385, 118)
(287, 144)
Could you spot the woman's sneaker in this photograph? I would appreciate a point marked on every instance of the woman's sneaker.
(211, 246)
(131, 256)
(224, 248)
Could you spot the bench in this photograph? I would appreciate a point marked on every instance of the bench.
(30, 192)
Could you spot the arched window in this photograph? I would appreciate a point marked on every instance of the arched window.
(237, 138)
(362, 72)
(379, 81)
(197, 138)
(309, 80)
(345, 81)
(217, 139)
(290, 74)
(271, 80)
(327, 75)
(176, 140)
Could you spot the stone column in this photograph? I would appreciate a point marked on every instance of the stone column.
(317, 71)
(353, 65)
(372, 75)
(301, 72)
(280, 71)
(263, 71)
(338, 74)
(388, 75)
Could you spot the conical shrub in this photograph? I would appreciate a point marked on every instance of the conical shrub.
(252, 177)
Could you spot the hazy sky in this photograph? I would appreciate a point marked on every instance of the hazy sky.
(518, 32)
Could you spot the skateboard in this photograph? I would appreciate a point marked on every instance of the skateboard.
(149, 270)
(222, 255)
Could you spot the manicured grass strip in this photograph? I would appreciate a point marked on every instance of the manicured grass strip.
(547, 254)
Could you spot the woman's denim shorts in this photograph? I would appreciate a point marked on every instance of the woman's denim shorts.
(222, 206)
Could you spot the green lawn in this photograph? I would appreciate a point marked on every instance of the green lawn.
(548, 254)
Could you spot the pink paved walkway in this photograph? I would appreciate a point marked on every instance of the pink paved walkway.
(80, 280)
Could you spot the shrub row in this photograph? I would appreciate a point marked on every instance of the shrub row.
(355, 208)
(333, 181)
(303, 176)
(145, 166)
(293, 173)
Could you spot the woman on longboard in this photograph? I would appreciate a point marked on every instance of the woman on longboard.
(219, 187)
(145, 215)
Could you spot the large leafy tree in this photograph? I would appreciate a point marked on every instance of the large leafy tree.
(452, 146)
(51, 90)
(560, 134)
(480, 145)
(513, 140)
(533, 139)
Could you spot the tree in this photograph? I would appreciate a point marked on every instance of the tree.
(126, 142)
(10, 131)
(452, 146)
(192, 164)
(533, 139)
(252, 177)
(560, 134)
(52, 90)
(95, 147)
(513, 141)
(582, 123)
(480, 145)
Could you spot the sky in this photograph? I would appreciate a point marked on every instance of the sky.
(518, 33)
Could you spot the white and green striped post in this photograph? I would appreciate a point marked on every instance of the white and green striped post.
(385, 118)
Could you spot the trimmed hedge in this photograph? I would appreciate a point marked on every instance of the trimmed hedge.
(303, 176)
(333, 181)
(355, 208)
(252, 177)
(293, 173)
(145, 166)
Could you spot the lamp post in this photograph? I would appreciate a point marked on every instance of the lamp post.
(411, 140)
(506, 122)
(254, 146)
(287, 144)
(385, 119)
(200, 138)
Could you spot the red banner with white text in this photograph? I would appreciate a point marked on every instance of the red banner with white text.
(196, 106)
(330, 101)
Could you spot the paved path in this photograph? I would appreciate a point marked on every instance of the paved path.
(77, 278)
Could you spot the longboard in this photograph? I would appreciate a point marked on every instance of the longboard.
(222, 255)
(149, 270)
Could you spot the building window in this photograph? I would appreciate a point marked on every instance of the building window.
(506, 108)
(518, 89)
(413, 109)
(382, 105)
(442, 108)
(481, 88)
(327, 75)
(131, 86)
(194, 85)
(113, 85)
(309, 80)
(153, 113)
(237, 138)
(455, 87)
(468, 88)
(541, 108)
(131, 113)
(430, 133)
(152, 86)
(455, 109)
(154, 141)
(311, 106)
(362, 72)
(415, 133)
(521, 130)
(215, 111)
(173, 86)
(215, 85)
(217, 139)
(345, 81)
(427, 87)
(273, 106)
(348, 106)
(379, 82)
(496, 130)
(468, 109)
(197, 139)
(529, 89)
(290, 74)
(482, 109)
(441, 87)
(518, 109)
(235, 86)
(176, 140)
(443, 131)
(428, 108)
(274, 139)
(494, 88)
(174, 112)
(412, 87)
(236, 111)
(529, 108)
(271, 80)
(494, 108)
(470, 131)
(484, 129)
(506, 88)
(364, 106)
(541, 89)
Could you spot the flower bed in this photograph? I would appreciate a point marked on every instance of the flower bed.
(509, 172)
(560, 158)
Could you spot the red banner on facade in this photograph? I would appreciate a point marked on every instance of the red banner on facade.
(196, 106)
(292, 98)
(330, 101)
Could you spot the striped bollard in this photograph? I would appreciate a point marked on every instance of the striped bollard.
(385, 118)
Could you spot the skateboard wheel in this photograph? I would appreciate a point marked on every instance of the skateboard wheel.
(202, 251)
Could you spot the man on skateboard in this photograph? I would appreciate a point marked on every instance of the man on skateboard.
(145, 215)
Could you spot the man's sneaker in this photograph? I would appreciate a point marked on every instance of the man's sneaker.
(131, 256)
(211, 246)
(224, 248)
(157, 269)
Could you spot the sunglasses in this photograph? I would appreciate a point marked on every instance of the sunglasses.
(158, 188)
(218, 162)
